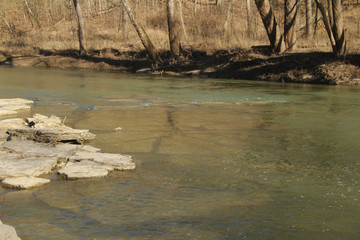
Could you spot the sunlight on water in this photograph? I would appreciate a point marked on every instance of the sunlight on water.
(217, 159)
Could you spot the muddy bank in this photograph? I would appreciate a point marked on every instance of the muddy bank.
(256, 64)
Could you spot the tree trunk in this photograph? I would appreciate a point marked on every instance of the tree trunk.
(270, 24)
(81, 27)
(174, 27)
(309, 18)
(336, 31)
(248, 17)
(330, 13)
(227, 20)
(338, 28)
(149, 46)
(182, 20)
(290, 24)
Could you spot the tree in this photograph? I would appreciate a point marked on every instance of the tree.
(291, 9)
(81, 27)
(174, 27)
(270, 25)
(149, 46)
(309, 18)
(334, 25)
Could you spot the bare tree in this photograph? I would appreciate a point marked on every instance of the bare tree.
(81, 27)
(149, 46)
(174, 27)
(334, 25)
(309, 17)
(248, 17)
(291, 9)
(228, 19)
(270, 24)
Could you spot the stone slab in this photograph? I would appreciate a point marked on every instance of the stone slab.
(24, 182)
(41, 128)
(8, 232)
(31, 148)
(117, 161)
(84, 169)
(10, 106)
(20, 165)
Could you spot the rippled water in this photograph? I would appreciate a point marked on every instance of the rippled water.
(217, 159)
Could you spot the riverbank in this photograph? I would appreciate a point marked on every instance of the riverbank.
(257, 64)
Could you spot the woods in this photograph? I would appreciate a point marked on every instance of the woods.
(172, 25)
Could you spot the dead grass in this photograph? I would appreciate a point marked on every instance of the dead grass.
(204, 29)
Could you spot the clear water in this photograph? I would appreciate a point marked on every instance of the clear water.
(217, 159)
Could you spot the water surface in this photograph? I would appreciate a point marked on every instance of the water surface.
(217, 159)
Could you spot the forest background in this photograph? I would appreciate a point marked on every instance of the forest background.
(224, 30)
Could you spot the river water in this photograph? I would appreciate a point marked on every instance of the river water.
(216, 159)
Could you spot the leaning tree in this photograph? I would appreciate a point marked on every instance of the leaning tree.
(149, 46)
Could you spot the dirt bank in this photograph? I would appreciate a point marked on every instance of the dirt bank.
(256, 64)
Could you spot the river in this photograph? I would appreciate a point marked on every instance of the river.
(216, 158)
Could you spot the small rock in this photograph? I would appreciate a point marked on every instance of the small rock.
(8, 232)
(84, 169)
(117, 129)
(24, 182)
(144, 70)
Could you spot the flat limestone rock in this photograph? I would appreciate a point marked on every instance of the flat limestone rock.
(24, 182)
(3, 136)
(117, 161)
(31, 148)
(20, 165)
(41, 128)
(15, 101)
(84, 169)
(8, 232)
(12, 105)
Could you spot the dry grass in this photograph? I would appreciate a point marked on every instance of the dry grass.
(204, 27)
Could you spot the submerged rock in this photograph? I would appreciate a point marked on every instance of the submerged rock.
(85, 164)
(8, 232)
(24, 182)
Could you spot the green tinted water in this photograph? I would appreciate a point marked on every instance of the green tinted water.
(217, 159)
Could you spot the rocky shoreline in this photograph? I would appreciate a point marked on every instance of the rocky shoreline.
(33, 148)
(313, 67)
(40, 145)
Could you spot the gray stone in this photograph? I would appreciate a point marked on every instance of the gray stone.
(20, 165)
(8, 232)
(24, 182)
(31, 148)
(84, 169)
(117, 161)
